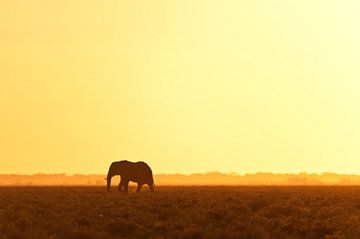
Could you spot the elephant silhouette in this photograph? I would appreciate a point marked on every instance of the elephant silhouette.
(138, 172)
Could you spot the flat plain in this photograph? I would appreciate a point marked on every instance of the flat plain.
(181, 212)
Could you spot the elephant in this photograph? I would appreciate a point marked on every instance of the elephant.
(138, 172)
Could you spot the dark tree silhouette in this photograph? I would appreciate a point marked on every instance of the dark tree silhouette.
(138, 172)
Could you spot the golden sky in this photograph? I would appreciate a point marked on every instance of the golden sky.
(187, 86)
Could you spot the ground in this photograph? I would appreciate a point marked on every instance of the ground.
(180, 212)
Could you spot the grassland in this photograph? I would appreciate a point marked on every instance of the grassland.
(180, 212)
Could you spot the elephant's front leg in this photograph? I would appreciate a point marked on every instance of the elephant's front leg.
(121, 185)
(139, 187)
(126, 186)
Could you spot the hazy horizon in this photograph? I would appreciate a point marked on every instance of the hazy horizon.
(210, 178)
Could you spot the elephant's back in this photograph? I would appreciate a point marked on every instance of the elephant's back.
(142, 164)
(141, 172)
(143, 167)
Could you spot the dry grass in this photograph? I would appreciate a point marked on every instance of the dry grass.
(180, 212)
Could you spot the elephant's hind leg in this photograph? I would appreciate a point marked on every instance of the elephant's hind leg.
(151, 187)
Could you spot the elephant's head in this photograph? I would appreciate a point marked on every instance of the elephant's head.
(116, 168)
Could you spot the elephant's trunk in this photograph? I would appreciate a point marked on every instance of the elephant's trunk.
(108, 185)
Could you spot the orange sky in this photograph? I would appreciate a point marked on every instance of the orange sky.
(187, 86)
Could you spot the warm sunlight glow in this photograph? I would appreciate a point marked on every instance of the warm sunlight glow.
(187, 86)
